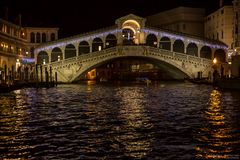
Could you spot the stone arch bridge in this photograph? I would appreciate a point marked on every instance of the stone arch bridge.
(183, 56)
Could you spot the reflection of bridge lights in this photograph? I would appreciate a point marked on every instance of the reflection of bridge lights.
(134, 116)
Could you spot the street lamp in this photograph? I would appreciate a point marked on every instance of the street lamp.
(215, 61)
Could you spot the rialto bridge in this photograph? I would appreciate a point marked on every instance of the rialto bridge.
(182, 56)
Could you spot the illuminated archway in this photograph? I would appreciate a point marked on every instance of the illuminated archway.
(130, 32)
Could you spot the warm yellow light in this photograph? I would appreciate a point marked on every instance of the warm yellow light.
(215, 60)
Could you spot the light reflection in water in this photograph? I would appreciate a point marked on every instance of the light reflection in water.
(13, 116)
(137, 121)
(215, 137)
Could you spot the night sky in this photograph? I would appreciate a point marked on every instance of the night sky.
(75, 17)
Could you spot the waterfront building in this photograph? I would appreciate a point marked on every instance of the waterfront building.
(17, 45)
(181, 19)
(219, 26)
(236, 39)
(236, 25)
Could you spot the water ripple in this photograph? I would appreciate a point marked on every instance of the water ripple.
(168, 122)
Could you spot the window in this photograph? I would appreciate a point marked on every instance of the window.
(43, 37)
(222, 34)
(32, 52)
(32, 37)
(222, 11)
(52, 36)
(38, 38)
(184, 26)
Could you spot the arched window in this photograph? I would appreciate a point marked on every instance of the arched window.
(165, 43)
(83, 47)
(178, 46)
(38, 38)
(206, 52)
(32, 52)
(56, 54)
(70, 51)
(111, 41)
(151, 40)
(44, 38)
(97, 45)
(42, 58)
(192, 49)
(32, 37)
(52, 37)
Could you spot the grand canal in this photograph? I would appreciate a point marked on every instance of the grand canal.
(166, 121)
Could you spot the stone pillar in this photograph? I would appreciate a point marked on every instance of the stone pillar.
(199, 50)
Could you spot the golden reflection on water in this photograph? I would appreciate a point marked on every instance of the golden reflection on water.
(215, 134)
(134, 115)
(13, 115)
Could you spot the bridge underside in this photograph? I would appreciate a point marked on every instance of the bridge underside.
(130, 68)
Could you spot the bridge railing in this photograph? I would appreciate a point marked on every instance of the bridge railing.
(148, 49)
(180, 56)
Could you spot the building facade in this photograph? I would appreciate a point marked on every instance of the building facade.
(236, 40)
(219, 26)
(17, 45)
(182, 19)
(236, 24)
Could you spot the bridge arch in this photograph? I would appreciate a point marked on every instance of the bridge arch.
(192, 49)
(70, 51)
(83, 48)
(206, 52)
(178, 46)
(97, 44)
(111, 41)
(220, 55)
(151, 40)
(165, 43)
(42, 57)
(170, 67)
(56, 54)
(130, 32)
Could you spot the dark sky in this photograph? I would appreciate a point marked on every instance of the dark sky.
(78, 16)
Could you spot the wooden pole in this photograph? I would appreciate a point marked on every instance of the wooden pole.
(36, 75)
(41, 73)
(51, 80)
(46, 77)
(56, 78)
(5, 73)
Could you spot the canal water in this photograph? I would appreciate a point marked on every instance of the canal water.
(166, 121)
